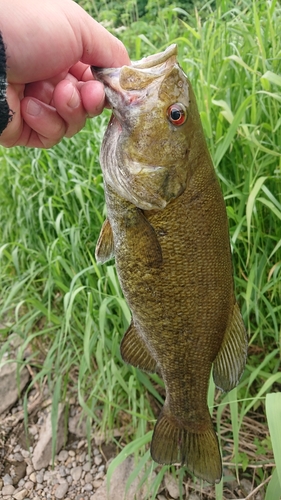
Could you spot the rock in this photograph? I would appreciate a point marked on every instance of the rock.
(40, 477)
(77, 425)
(76, 473)
(29, 485)
(8, 490)
(18, 457)
(88, 477)
(20, 495)
(29, 470)
(88, 487)
(101, 494)
(193, 496)
(119, 480)
(97, 483)
(7, 479)
(63, 456)
(9, 393)
(98, 460)
(82, 457)
(172, 486)
(43, 450)
(32, 477)
(61, 490)
(19, 471)
(87, 466)
(246, 486)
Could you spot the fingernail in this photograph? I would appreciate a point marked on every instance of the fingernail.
(33, 108)
(74, 100)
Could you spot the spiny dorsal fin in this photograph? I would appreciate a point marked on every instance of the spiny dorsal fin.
(105, 245)
(231, 359)
(134, 351)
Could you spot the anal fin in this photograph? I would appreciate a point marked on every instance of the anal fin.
(134, 351)
(105, 246)
(231, 359)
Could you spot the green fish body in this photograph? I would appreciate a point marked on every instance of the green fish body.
(168, 231)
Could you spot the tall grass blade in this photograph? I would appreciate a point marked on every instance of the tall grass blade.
(273, 414)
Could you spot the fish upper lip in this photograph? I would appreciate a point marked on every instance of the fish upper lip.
(110, 77)
(145, 63)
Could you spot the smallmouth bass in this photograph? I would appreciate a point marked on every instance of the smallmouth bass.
(167, 228)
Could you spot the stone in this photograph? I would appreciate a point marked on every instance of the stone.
(98, 459)
(8, 490)
(18, 457)
(40, 477)
(7, 479)
(101, 494)
(25, 453)
(82, 457)
(76, 473)
(42, 454)
(246, 486)
(63, 456)
(97, 483)
(29, 485)
(20, 495)
(77, 425)
(172, 486)
(118, 483)
(19, 471)
(88, 477)
(9, 390)
(29, 470)
(61, 490)
(32, 477)
(88, 487)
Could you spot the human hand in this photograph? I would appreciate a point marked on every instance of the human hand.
(50, 47)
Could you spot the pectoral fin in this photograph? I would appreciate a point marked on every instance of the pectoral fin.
(105, 246)
(134, 351)
(231, 359)
(143, 239)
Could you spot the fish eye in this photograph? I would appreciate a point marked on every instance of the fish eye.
(177, 114)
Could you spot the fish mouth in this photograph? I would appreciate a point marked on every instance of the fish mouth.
(129, 85)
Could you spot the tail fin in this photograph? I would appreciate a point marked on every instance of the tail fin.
(199, 451)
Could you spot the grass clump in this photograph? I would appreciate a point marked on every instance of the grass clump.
(72, 311)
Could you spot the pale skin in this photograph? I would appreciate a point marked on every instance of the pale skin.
(50, 46)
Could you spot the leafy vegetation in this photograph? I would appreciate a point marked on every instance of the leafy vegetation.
(72, 311)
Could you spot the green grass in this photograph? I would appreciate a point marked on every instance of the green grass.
(55, 296)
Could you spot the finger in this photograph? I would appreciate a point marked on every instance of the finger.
(82, 72)
(46, 126)
(68, 103)
(43, 91)
(93, 97)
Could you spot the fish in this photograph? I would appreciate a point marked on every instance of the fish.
(167, 229)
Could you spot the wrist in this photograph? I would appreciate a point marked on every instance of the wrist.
(5, 113)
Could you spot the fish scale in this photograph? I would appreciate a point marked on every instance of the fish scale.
(167, 229)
